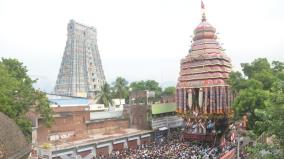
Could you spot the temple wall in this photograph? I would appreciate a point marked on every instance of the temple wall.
(76, 125)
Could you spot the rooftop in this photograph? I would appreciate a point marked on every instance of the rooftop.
(97, 138)
(70, 102)
(163, 108)
(105, 115)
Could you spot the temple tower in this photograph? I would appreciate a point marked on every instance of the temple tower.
(81, 73)
(202, 88)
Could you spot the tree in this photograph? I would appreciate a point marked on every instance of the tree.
(104, 95)
(260, 94)
(153, 85)
(278, 69)
(271, 119)
(138, 85)
(252, 91)
(120, 88)
(17, 95)
(257, 66)
(150, 85)
(278, 66)
(42, 106)
(248, 101)
(169, 91)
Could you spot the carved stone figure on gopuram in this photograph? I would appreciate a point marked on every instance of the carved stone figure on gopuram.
(203, 95)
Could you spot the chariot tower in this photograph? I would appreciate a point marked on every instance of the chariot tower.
(202, 86)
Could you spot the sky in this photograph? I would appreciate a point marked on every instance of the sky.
(137, 39)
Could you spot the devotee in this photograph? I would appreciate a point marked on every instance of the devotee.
(171, 147)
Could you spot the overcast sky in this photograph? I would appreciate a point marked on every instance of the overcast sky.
(137, 39)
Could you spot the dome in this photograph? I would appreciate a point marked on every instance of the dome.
(12, 141)
(206, 63)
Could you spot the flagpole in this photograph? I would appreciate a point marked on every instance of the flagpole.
(203, 11)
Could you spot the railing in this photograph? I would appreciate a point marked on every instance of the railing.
(173, 121)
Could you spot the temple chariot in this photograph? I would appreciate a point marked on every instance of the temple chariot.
(203, 96)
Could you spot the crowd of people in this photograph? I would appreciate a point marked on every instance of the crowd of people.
(168, 147)
(170, 150)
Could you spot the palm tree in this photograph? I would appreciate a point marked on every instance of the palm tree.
(105, 95)
(121, 89)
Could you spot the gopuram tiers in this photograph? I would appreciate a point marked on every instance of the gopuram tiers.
(202, 88)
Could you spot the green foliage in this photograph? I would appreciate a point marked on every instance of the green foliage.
(25, 125)
(43, 107)
(17, 95)
(236, 81)
(138, 85)
(120, 88)
(257, 66)
(278, 66)
(104, 95)
(263, 151)
(169, 91)
(260, 94)
(150, 85)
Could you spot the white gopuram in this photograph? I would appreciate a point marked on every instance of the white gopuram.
(81, 73)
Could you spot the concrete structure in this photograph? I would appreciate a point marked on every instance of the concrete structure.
(139, 116)
(80, 130)
(81, 73)
(164, 116)
(141, 97)
(143, 113)
(117, 104)
(168, 99)
(97, 145)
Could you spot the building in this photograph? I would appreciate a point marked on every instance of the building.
(164, 117)
(81, 73)
(168, 99)
(202, 92)
(117, 104)
(139, 116)
(145, 113)
(83, 130)
(142, 97)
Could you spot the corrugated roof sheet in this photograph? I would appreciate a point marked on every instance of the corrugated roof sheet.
(70, 102)
(163, 108)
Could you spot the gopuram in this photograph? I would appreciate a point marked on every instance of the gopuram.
(203, 96)
(81, 72)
